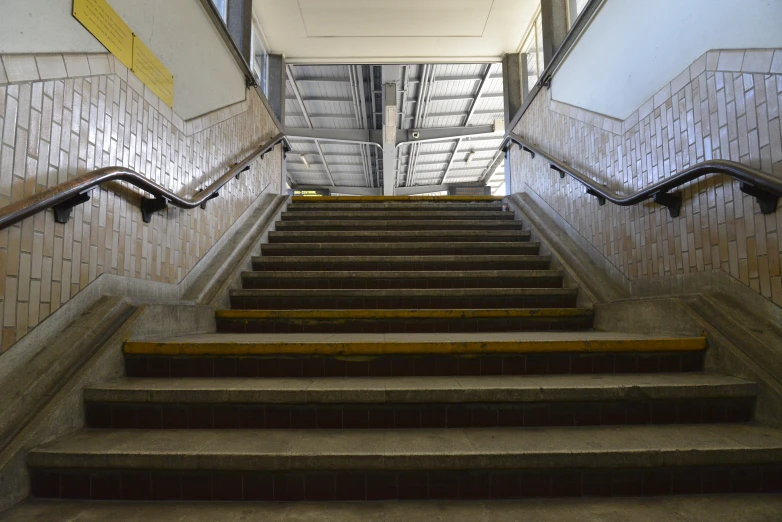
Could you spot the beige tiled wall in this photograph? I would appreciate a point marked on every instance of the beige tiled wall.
(726, 105)
(64, 115)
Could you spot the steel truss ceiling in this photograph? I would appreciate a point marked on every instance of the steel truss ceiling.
(330, 105)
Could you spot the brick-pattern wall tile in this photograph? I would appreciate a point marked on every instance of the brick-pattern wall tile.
(706, 115)
(54, 130)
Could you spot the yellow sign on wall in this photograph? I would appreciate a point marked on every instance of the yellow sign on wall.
(152, 72)
(98, 17)
(104, 23)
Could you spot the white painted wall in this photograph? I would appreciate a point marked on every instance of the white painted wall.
(634, 47)
(179, 32)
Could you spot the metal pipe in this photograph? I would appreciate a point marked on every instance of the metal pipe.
(73, 188)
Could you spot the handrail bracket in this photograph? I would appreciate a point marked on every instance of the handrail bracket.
(766, 200)
(561, 172)
(62, 211)
(150, 206)
(671, 200)
(601, 200)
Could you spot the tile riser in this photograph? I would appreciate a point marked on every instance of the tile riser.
(325, 283)
(464, 249)
(379, 303)
(224, 415)
(401, 325)
(315, 366)
(372, 266)
(360, 485)
(318, 238)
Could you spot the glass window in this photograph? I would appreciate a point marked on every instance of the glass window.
(260, 58)
(575, 7)
(532, 49)
(222, 8)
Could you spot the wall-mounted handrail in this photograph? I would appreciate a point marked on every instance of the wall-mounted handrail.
(763, 187)
(63, 197)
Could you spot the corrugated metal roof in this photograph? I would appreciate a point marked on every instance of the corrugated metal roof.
(456, 96)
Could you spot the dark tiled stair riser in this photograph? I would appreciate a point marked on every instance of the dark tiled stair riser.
(333, 301)
(400, 249)
(398, 225)
(417, 325)
(410, 365)
(401, 236)
(408, 416)
(411, 280)
(355, 485)
(399, 263)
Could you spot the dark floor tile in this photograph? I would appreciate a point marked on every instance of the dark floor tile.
(166, 485)
(381, 486)
(638, 413)
(484, 416)
(124, 416)
(350, 486)
(459, 416)
(444, 485)
(329, 417)
(747, 480)
(289, 487)
(628, 483)
(535, 485)
(491, 365)
(772, 479)
(252, 417)
(278, 417)
(44, 483)
(657, 482)
(434, 416)
(505, 484)
(227, 486)
(475, 485)
(97, 415)
(106, 486)
(407, 416)
(319, 486)
(226, 417)
(75, 484)
(200, 417)
(136, 485)
(597, 483)
(412, 485)
(717, 480)
(196, 485)
(381, 417)
(686, 481)
(150, 417)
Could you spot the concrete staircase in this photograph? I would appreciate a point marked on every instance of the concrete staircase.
(410, 348)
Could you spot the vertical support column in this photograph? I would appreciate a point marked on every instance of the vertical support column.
(390, 81)
(524, 75)
(283, 170)
(514, 88)
(239, 22)
(277, 78)
(555, 27)
(511, 85)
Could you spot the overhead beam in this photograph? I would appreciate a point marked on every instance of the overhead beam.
(353, 191)
(426, 189)
(442, 133)
(466, 78)
(390, 78)
(315, 79)
(363, 135)
(321, 99)
(498, 112)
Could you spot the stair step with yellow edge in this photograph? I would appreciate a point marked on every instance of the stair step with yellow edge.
(401, 321)
(395, 355)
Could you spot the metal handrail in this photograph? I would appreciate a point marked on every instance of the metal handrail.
(765, 188)
(67, 195)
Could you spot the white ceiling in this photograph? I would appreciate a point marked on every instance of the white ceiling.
(402, 31)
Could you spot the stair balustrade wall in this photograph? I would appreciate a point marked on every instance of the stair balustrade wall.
(64, 115)
(726, 105)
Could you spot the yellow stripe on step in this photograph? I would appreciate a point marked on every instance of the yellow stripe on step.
(436, 347)
(380, 199)
(405, 314)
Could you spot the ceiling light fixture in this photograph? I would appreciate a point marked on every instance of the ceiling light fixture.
(470, 156)
(304, 159)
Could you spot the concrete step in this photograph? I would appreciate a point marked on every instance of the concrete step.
(399, 321)
(397, 224)
(466, 298)
(400, 249)
(398, 236)
(396, 199)
(430, 215)
(418, 402)
(392, 207)
(426, 463)
(409, 279)
(404, 355)
(400, 263)
(681, 508)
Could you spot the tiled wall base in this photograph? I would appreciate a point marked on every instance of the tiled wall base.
(402, 485)
(406, 365)
(404, 416)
